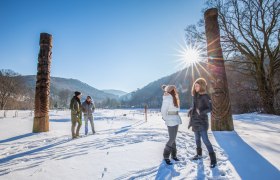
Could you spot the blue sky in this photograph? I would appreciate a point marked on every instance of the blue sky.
(108, 44)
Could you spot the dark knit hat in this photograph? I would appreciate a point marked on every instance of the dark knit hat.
(77, 93)
(89, 97)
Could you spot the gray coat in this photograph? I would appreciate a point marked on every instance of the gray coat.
(199, 122)
(88, 109)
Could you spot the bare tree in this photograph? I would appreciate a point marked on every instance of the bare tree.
(64, 96)
(250, 29)
(242, 88)
(9, 86)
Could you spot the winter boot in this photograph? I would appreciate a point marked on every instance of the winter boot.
(198, 154)
(213, 160)
(174, 154)
(168, 162)
(166, 152)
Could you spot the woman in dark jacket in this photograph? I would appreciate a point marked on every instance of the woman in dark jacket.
(199, 119)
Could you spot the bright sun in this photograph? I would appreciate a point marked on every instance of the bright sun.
(189, 55)
(192, 58)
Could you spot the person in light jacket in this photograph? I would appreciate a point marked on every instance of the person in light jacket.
(88, 109)
(170, 114)
(199, 119)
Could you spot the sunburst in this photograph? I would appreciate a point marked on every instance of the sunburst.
(192, 59)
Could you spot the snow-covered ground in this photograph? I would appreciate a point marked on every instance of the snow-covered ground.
(127, 147)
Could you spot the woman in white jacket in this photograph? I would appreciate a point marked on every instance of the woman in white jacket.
(170, 114)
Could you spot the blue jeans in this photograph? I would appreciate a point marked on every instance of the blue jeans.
(90, 119)
(203, 134)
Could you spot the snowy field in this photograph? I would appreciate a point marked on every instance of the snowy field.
(127, 147)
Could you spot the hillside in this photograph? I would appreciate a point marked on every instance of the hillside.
(151, 94)
(115, 92)
(59, 84)
(243, 99)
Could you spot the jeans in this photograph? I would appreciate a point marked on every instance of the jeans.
(90, 119)
(203, 134)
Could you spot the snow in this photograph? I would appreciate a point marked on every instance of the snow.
(127, 147)
(261, 132)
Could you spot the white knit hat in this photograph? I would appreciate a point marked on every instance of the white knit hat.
(168, 88)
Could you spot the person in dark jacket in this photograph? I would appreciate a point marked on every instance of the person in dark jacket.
(76, 114)
(88, 109)
(199, 119)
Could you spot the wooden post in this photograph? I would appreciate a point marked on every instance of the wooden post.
(146, 117)
(221, 116)
(41, 113)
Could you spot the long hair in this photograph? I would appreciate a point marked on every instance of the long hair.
(203, 86)
(175, 96)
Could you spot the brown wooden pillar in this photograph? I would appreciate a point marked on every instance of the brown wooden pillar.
(41, 113)
(221, 116)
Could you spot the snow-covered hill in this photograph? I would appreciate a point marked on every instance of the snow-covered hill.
(115, 92)
(59, 84)
(127, 147)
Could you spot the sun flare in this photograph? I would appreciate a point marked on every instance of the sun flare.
(189, 55)
(192, 60)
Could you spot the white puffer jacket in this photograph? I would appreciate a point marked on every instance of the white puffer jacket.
(168, 106)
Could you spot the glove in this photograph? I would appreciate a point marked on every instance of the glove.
(190, 112)
(190, 124)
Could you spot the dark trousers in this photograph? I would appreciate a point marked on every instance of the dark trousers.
(170, 147)
(203, 134)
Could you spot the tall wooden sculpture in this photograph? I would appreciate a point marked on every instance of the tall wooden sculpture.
(221, 116)
(41, 114)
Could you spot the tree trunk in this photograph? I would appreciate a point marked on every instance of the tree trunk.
(2, 106)
(276, 90)
(265, 91)
(41, 114)
(3, 102)
(221, 116)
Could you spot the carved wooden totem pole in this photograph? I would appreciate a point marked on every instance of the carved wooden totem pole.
(221, 116)
(41, 114)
